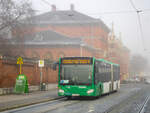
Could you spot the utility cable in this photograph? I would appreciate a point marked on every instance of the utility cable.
(139, 21)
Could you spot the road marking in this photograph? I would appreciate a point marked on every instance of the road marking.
(142, 110)
(90, 110)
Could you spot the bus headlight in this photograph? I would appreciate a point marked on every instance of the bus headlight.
(90, 91)
(61, 91)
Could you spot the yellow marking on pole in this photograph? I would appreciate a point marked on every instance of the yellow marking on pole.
(20, 68)
(20, 61)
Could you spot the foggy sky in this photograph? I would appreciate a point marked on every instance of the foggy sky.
(126, 23)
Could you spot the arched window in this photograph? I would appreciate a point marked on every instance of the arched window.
(35, 55)
(22, 54)
(48, 56)
(17, 54)
(61, 54)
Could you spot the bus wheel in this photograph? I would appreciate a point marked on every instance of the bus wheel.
(100, 90)
(68, 97)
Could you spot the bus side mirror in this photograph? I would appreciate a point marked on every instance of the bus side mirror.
(54, 65)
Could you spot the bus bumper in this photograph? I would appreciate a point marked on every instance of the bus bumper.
(76, 94)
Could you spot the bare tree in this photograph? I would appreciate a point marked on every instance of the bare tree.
(11, 12)
(13, 17)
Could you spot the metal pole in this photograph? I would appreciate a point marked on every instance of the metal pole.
(80, 50)
(41, 78)
(91, 35)
(20, 69)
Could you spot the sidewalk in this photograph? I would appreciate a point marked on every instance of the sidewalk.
(19, 100)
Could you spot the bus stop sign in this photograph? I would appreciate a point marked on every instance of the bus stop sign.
(41, 63)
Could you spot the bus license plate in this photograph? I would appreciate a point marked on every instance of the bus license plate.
(75, 94)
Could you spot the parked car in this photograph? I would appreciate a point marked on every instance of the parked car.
(147, 81)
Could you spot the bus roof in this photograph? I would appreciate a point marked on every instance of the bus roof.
(108, 62)
(74, 57)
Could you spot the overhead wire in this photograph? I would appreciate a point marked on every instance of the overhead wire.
(120, 12)
(140, 24)
(141, 30)
(115, 12)
(133, 5)
(46, 2)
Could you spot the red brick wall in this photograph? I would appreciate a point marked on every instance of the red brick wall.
(9, 71)
(71, 30)
(89, 32)
(94, 35)
(56, 52)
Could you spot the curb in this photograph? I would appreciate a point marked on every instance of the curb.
(28, 104)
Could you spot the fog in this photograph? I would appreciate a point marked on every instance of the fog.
(120, 12)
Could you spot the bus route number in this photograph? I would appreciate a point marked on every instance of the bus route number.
(76, 61)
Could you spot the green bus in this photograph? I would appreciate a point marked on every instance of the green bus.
(87, 76)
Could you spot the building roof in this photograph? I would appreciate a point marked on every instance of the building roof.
(106, 61)
(48, 38)
(62, 16)
(70, 17)
(51, 39)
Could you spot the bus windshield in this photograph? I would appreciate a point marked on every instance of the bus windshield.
(76, 75)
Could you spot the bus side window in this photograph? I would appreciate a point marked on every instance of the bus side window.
(96, 67)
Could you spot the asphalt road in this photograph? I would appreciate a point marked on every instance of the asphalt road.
(114, 102)
(138, 103)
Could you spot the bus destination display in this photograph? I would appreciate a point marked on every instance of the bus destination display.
(76, 61)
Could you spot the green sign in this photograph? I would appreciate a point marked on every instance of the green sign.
(21, 84)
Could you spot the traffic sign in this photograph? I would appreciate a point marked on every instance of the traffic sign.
(41, 63)
(19, 60)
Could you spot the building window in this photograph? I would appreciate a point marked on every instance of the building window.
(48, 56)
(35, 55)
(61, 54)
(20, 54)
(38, 37)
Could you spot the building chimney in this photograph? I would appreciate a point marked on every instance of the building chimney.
(72, 7)
(53, 7)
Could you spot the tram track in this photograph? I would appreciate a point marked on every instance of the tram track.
(133, 100)
(136, 103)
(44, 107)
(27, 104)
(32, 105)
(142, 108)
